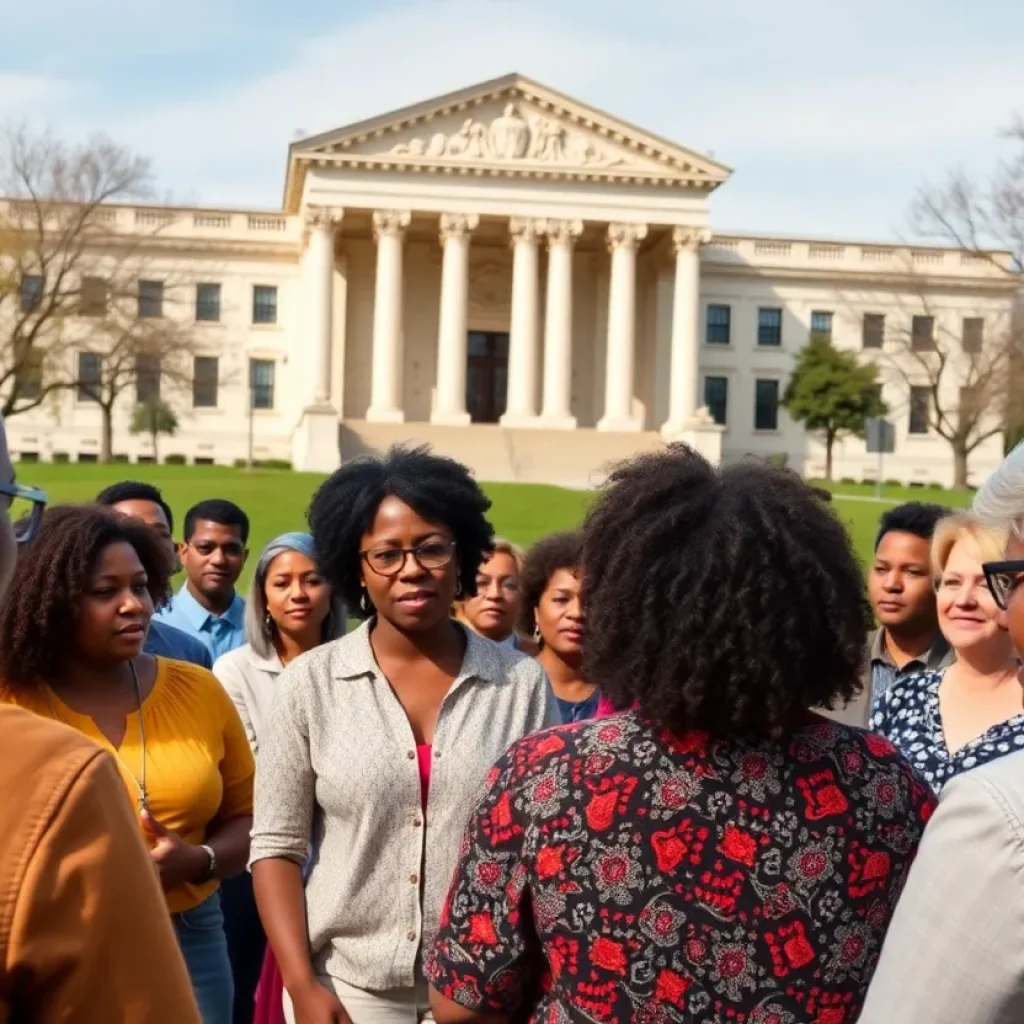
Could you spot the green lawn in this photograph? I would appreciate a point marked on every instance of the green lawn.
(276, 500)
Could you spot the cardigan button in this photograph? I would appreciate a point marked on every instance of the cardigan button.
(411, 755)
(411, 936)
(414, 879)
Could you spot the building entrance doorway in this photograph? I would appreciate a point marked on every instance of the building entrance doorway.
(486, 375)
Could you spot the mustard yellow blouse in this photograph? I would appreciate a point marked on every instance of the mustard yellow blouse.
(199, 768)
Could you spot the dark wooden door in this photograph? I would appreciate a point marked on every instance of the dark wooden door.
(486, 375)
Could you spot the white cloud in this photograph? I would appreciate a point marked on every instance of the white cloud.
(892, 90)
(28, 95)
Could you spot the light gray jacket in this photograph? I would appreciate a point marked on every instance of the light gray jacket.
(338, 772)
(954, 953)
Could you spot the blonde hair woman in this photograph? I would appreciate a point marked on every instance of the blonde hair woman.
(496, 607)
(947, 722)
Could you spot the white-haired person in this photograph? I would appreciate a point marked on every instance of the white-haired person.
(495, 609)
(952, 720)
(290, 610)
(954, 953)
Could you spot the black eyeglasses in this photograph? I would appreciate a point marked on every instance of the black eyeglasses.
(431, 554)
(1003, 579)
(25, 506)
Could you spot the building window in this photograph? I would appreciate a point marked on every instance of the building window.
(919, 402)
(31, 296)
(261, 383)
(719, 322)
(716, 398)
(821, 324)
(208, 302)
(974, 333)
(922, 333)
(769, 326)
(90, 376)
(92, 297)
(29, 376)
(151, 299)
(766, 405)
(205, 377)
(873, 330)
(264, 304)
(147, 378)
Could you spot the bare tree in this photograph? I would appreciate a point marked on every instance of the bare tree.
(957, 373)
(138, 346)
(979, 215)
(54, 224)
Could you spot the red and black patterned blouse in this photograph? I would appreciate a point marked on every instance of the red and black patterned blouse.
(615, 872)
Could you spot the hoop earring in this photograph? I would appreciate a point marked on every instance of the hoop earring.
(366, 608)
(268, 625)
(458, 586)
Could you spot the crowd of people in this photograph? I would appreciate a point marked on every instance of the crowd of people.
(658, 769)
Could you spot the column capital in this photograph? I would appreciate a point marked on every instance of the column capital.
(689, 239)
(390, 223)
(525, 229)
(563, 232)
(626, 236)
(457, 225)
(323, 217)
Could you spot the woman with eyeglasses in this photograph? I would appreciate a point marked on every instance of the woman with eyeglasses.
(495, 609)
(950, 721)
(71, 649)
(379, 741)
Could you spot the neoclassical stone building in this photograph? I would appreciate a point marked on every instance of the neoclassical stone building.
(528, 284)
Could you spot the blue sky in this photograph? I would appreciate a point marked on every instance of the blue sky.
(831, 114)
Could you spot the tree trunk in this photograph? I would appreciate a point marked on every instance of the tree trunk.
(959, 465)
(156, 453)
(107, 433)
(830, 439)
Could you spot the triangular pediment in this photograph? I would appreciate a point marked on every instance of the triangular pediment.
(509, 126)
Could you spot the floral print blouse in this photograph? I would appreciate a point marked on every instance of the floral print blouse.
(616, 872)
(908, 715)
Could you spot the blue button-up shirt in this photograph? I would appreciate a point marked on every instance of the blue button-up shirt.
(165, 641)
(220, 633)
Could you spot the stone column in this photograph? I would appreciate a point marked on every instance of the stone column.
(521, 408)
(450, 405)
(386, 387)
(623, 240)
(556, 411)
(315, 438)
(685, 362)
(318, 265)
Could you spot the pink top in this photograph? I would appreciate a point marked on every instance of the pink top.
(423, 752)
(604, 708)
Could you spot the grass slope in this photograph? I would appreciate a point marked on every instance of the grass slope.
(276, 500)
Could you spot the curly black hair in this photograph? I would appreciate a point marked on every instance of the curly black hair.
(135, 490)
(728, 601)
(38, 620)
(556, 551)
(917, 517)
(439, 489)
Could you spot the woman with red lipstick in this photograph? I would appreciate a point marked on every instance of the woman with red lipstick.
(950, 721)
(552, 613)
(380, 741)
(71, 650)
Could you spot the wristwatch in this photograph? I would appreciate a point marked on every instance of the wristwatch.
(211, 870)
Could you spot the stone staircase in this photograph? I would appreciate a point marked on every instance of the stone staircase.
(566, 458)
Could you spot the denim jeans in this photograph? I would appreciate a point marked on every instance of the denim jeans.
(200, 934)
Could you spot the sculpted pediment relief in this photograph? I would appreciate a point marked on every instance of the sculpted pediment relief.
(514, 134)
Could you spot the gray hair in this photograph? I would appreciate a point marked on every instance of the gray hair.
(258, 636)
(1000, 502)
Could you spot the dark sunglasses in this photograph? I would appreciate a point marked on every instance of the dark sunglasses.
(1003, 579)
(25, 521)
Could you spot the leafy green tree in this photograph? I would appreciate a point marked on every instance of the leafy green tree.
(832, 393)
(154, 417)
